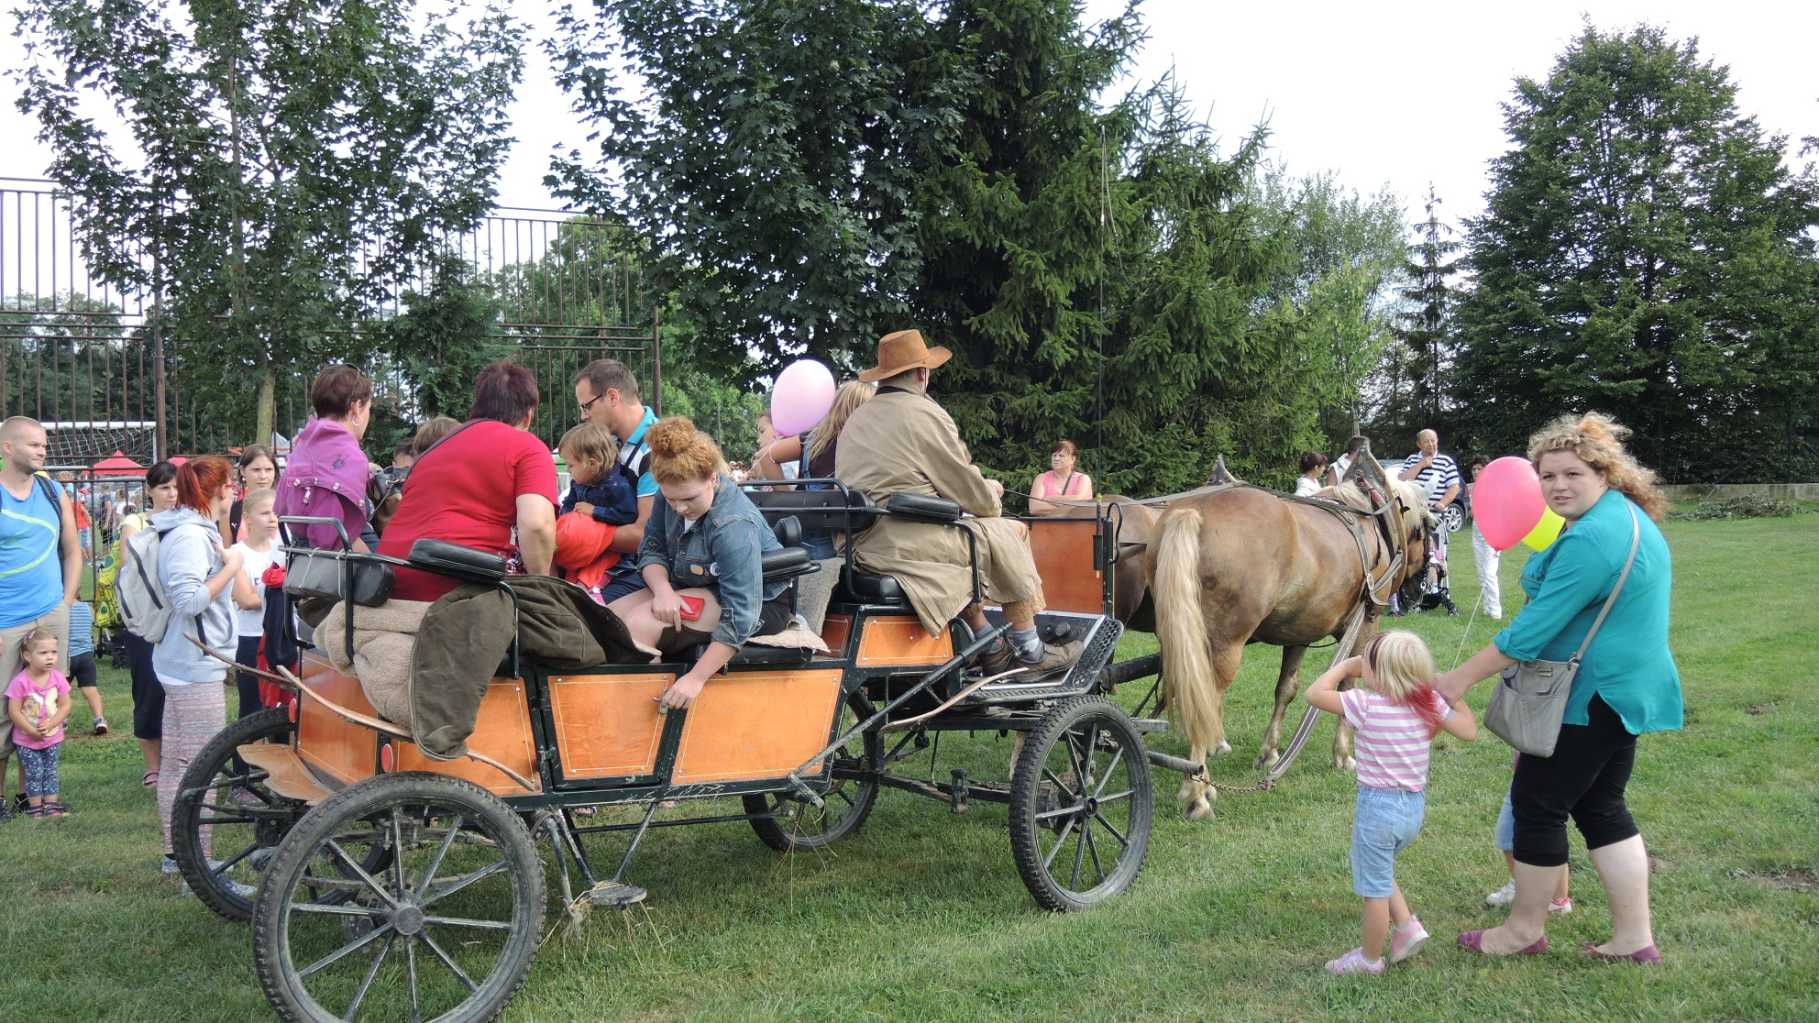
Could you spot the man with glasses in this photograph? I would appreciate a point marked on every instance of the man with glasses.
(606, 393)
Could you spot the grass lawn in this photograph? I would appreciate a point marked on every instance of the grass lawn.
(921, 914)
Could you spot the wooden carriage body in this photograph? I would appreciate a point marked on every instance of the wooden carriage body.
(597, 736)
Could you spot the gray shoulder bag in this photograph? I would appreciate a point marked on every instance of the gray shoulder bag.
(1530, 698)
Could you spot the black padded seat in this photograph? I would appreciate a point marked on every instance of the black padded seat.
(753, 655)
(866, 588)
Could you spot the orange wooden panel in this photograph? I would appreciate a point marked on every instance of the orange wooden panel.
(900, 640)
(1063, 550)
(607, 726)
(758, 724)
(327, 741)
(502, 730)
(835, 629)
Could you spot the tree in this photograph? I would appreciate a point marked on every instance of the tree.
(1645, 252)
(1425, 328)
(287, 166)
(815, 173)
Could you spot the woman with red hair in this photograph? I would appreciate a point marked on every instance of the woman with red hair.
(196, 572)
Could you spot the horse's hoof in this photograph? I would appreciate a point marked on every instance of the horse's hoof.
(1223, 747)
(1345, 764)
(1267, 760)
(1200, 811)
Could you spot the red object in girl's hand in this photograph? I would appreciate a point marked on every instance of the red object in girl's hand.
(692, 607)
(273, 577)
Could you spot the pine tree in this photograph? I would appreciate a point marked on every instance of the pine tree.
(1425, 326)
(1645, 252)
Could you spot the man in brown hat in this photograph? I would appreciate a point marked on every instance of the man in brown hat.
(901, 441)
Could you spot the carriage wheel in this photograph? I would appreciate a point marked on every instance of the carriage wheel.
(794, 824)
(1453, 518)
(1081, 805)
(444, 931)
(225, 812)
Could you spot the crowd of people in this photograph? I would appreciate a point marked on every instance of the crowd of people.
(654, 527)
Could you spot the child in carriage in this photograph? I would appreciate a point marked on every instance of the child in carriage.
(602, 496)
(1396, 714)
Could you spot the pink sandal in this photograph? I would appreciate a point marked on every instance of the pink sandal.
(1473, 941)
(1649, 956)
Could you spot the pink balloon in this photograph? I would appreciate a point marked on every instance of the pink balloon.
(1507, 502)
(804, 393)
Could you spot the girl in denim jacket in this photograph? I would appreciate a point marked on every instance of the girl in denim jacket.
(701, 561)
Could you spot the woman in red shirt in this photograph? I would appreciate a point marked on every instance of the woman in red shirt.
(490, 485)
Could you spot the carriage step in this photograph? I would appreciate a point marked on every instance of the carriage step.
(1150, 726)
(289, 776)
(615, 893)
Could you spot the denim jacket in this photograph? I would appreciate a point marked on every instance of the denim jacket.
(722, 553)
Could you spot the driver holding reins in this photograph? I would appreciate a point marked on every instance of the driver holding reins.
(901, 441)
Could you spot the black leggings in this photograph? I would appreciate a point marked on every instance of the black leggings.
(247, 652)
(148, 694)
(1584, 779)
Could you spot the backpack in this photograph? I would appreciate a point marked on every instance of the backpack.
(144, 606)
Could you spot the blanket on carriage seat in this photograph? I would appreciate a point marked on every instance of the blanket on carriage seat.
(468, 632)
(426, 666)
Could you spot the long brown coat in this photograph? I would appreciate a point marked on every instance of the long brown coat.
(901, 442)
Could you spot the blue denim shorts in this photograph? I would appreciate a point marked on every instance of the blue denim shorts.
(1383, 824)
(1506, 826)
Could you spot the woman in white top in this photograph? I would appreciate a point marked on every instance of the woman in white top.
(1313, 467)
(1061, 480)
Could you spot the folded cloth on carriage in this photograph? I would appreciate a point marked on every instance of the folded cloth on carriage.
(467, 633)
(384, 638)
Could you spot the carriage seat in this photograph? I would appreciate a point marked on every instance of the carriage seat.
(457, 562)
(862, 587)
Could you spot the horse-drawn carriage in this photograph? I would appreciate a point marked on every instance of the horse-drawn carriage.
(391, 883)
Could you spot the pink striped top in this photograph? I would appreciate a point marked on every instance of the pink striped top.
(1392, 740)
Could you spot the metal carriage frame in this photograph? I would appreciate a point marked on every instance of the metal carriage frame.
(344, 800)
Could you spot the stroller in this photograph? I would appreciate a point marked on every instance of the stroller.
(1434, 587)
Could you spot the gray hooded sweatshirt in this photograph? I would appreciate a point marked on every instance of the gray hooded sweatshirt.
(188, 555)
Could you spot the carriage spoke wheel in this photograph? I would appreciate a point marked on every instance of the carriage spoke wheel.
(1081, 805)
(226, 822)
(444, 930)
(796, 824)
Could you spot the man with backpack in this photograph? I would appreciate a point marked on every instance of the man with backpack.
(40, 560)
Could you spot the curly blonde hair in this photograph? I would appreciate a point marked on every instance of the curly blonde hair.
(682, 454)
(1597, 440)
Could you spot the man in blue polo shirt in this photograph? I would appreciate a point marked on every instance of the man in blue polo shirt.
(607, 394)
(40, 560)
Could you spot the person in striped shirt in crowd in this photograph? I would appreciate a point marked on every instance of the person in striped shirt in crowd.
(82, 670)
(1396, 713)
(1438, 474)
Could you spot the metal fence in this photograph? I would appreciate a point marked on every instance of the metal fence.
(77, 348)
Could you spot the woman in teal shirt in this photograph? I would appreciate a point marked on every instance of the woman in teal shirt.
(1627, 684)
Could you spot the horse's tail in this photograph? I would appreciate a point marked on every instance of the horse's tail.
(1193, 693)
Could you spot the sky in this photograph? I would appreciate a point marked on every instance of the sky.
(1389, 96)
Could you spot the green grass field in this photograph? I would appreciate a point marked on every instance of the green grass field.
(921, 916)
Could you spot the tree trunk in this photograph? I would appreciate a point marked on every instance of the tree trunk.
(267, 417)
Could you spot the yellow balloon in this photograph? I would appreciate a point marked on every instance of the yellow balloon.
(1546, 531)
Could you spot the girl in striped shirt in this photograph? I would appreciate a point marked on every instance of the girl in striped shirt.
(1396, 714)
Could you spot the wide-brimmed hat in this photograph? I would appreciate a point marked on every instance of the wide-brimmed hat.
(904, 350)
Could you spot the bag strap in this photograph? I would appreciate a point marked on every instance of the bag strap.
(1635, 541)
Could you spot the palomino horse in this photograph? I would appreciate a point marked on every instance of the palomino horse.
(1242, 565)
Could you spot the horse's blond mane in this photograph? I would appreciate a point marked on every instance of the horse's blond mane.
(1414, 500)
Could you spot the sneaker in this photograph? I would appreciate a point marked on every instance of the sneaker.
(1502, 896)
(100, 726)
(1406, 940)
(1354, 962)
(6, 810)
(1561, 906)
(1053, 657)
(996, 660)
(21, 804)
(239, 888)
